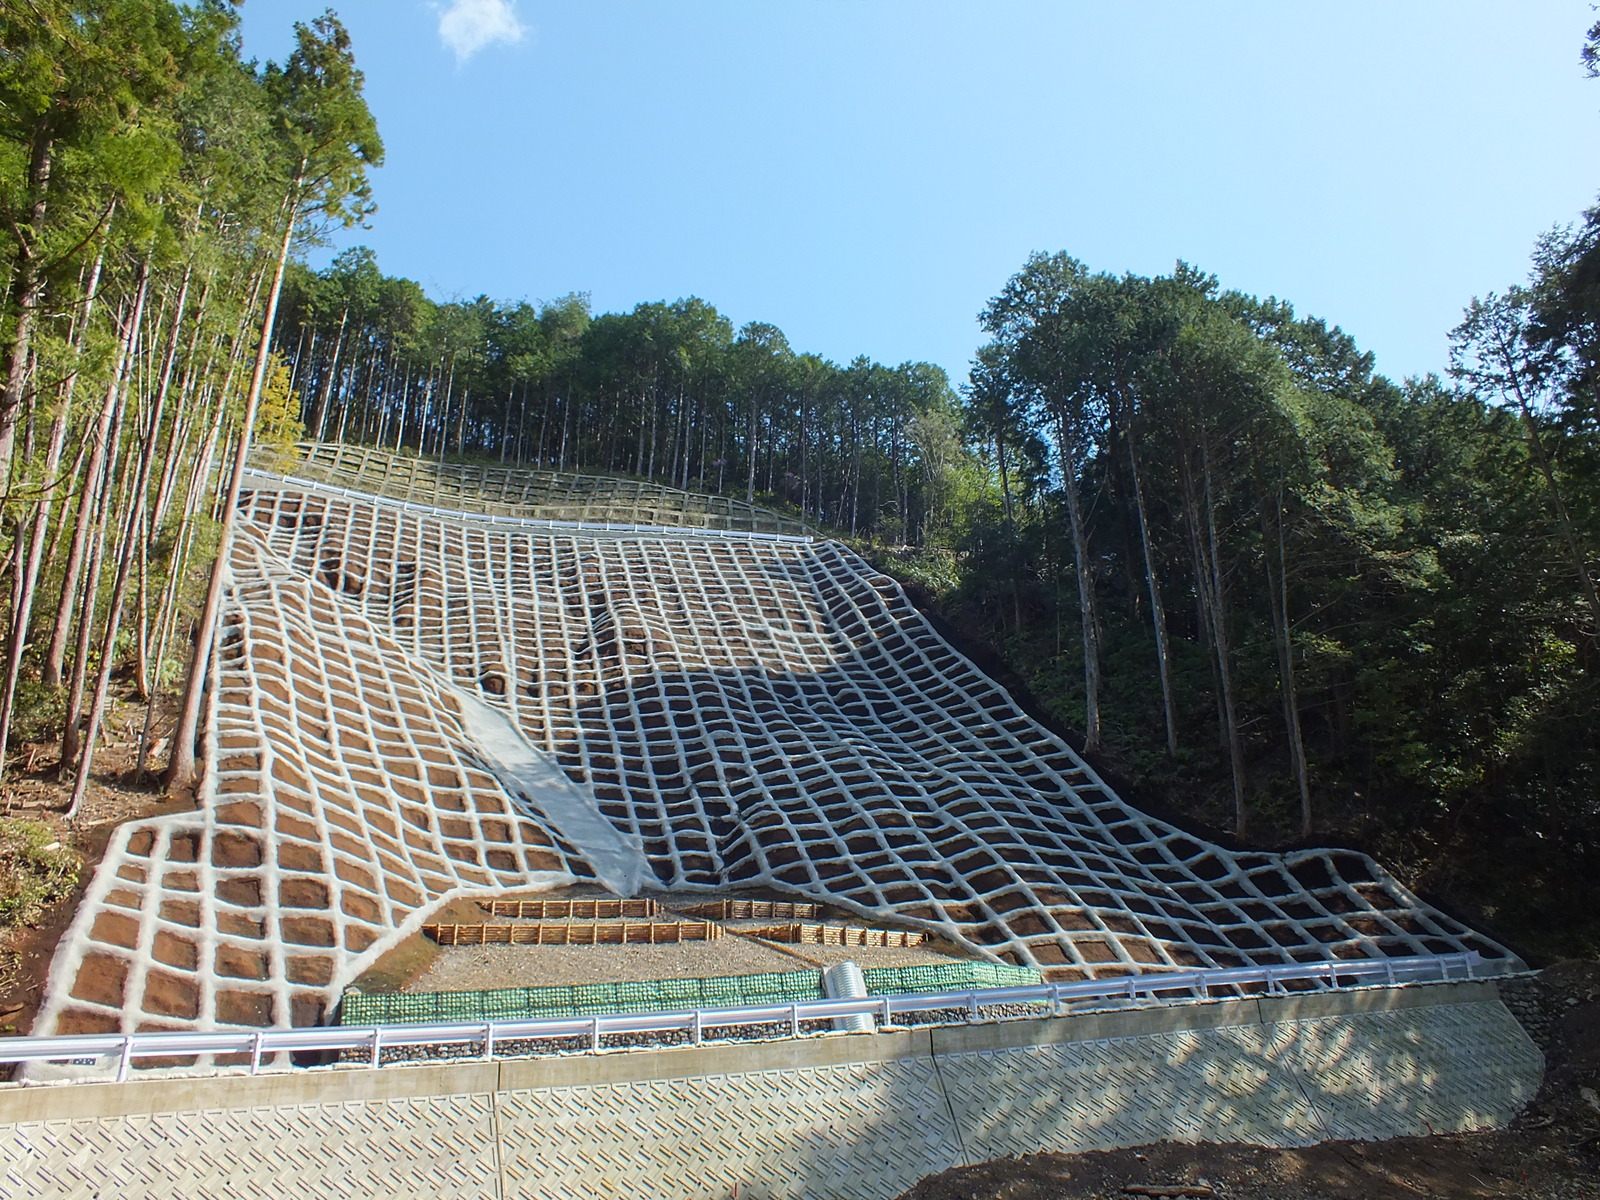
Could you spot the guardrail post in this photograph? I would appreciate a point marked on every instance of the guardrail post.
(377, 1044)
(127, 1056)
(488, 1041)
(1055, 999)
(594, 1035)
(888, 1017)
(972, 1006)
(794, 1020)
(255, 1053)
(697, 1027)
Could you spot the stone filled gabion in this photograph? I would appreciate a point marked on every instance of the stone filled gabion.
(747, 710)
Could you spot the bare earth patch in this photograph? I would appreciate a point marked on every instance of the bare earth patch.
(474, 968)
(32, 793)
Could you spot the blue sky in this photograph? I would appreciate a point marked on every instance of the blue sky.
(865, 174)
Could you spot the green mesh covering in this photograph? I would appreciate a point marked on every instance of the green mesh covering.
(582, 1000)
(947, 977)
(656, 995)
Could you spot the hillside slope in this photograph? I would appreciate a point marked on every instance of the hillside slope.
(742, 708)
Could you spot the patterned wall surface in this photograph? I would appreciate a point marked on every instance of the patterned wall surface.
(857, 1118)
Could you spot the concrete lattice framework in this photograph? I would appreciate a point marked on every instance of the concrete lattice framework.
(742, 709)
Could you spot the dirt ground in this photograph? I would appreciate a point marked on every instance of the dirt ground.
(1552, 1151)
(115, 795)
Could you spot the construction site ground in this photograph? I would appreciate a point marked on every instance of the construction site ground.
(420, 965)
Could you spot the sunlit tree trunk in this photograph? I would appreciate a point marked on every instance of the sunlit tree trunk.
(181, 769)
(1084, 569)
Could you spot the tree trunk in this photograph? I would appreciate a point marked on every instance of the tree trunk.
(131, 538)
(750, 447)
(1158, 612)
(55, 655)
(1272, 540)
(104, 506)
(167, 611)
(1223, 643)
(1083, 568)
(22, 608)
(319, 415)
(27, 294)
(181, 772)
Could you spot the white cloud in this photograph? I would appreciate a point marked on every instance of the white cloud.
(467, 26)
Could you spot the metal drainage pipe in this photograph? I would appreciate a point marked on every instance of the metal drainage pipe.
(844, 981)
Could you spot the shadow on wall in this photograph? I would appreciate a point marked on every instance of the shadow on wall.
(828, 1128)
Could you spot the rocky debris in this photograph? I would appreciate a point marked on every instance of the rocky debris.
(1529, 1001)
(1568, 994)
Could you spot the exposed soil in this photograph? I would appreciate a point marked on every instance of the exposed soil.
(116, 794)
(1552, 1151)
(419, 965)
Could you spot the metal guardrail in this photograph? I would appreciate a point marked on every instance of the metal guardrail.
(1177, 987)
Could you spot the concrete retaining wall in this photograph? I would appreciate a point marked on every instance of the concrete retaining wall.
(849, 1116)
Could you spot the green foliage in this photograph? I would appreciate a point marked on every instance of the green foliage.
(1377, 573)
(935, 571)
(668, 392)
(326, 131)
(39, 711)
(278, 425)
(36, 870)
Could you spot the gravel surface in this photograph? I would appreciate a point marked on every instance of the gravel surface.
(476, 968)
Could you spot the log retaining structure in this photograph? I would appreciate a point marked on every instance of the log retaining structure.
(752, 910)
(836, 935)
(578, 933)
(599, 909)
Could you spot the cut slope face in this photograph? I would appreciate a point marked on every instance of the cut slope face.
(744, 710)
(345, 795)
(526, 492)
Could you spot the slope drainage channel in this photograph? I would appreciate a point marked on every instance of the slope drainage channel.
(571, 810)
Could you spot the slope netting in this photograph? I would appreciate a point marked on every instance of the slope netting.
(522, 491)
(722, 710)
(661, 995)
